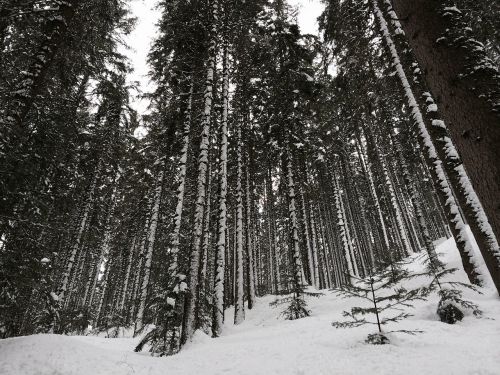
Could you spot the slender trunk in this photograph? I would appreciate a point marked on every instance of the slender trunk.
(178, 285)
(395, 206)
(292, 211)
(105, 246)
(190, 319)
(272, 232)
(239, 306)
(153, 224)
(139, 269)
(77, 242)
(342, 228)
(249, 239)
(220, 256)
(121, 306)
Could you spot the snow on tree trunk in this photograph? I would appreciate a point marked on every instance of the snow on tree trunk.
(249, 238)
(77, 241)
(307, 235)
(342, 228)
(140, 264)
(292, 211)
(204, 289)
(121, 306)
(395, 206)
(314, 248)
(190, 319)
(416, 202)
(105, 246)
(272, 232)
(179, 285)
(239, 306)
(368, 169)
(431, 155)
(103, 290)
(324, 252)
(220, 256)
(459, 72)
(350, 247)
(153, 225)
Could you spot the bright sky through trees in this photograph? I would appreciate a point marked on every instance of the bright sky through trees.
(140, 39)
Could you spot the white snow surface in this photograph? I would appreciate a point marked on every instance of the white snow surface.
(266, 344)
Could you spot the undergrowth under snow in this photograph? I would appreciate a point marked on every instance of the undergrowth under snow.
(267, 344)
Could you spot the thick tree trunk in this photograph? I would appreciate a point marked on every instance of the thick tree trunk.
(445, 150)
(443, 50)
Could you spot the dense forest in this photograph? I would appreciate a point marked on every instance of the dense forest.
(273, 161)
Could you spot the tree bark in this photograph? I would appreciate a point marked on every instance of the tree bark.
(446, 150)
(220, 256)
(191, 303)
(464, 98)
(239, 306)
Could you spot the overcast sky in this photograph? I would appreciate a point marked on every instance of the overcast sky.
(145, 30)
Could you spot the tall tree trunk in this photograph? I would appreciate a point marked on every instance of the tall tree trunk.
(431, 153)
(105, 246)
(467, 84)
(249, 237)
(342, 227)
(190, 318)
(239, 306)
(308, 239)
(220, 256)
(178, 286)
(153, 225)
(273, 248)
(296, 266)
(89, 202)
(121, 305)
(140, 264)
(395, 206)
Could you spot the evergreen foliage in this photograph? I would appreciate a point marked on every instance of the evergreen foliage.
(272, 161)
(390, 302)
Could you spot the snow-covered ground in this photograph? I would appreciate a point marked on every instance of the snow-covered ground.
(266, 344)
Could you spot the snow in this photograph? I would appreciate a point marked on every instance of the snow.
(153, 224)
(438, 124)
(266, 344)
(451, 9)
(431, 150)
(432, 108)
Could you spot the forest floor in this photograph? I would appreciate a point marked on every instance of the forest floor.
(266, 344)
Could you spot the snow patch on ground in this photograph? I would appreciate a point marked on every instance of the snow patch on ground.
(266, 344)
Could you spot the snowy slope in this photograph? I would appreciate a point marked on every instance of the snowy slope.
(265, 344)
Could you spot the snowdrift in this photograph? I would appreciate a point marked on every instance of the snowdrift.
(266, 344)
